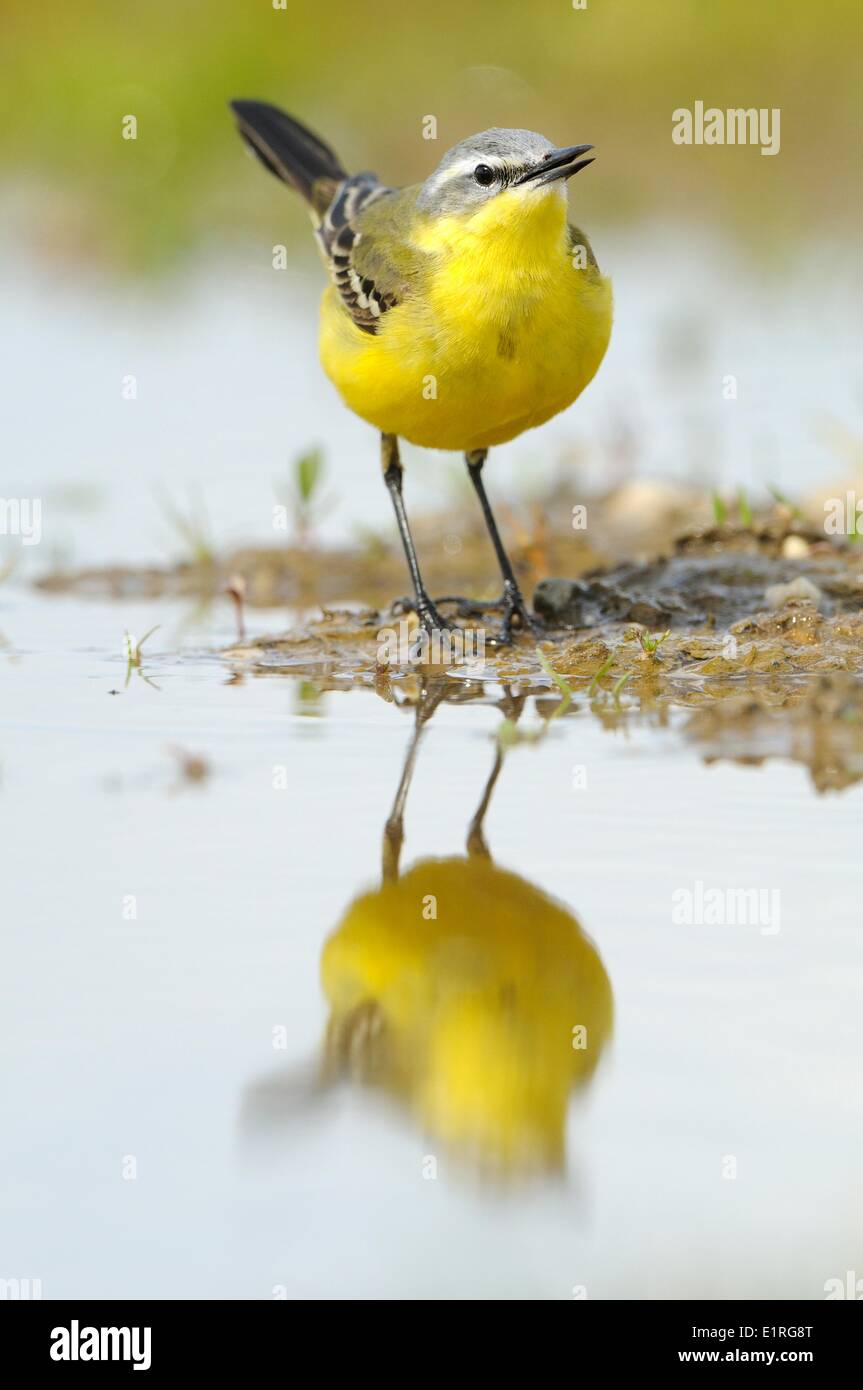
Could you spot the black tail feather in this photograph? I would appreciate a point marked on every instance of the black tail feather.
(290, 151)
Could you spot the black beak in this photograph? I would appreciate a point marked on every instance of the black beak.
(557, 164)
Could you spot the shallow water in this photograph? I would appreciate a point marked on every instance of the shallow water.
(148, 1038)
(187, 1112)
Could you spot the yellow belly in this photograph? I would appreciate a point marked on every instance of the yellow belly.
(481, 353)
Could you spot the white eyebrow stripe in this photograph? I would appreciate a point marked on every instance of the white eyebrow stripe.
(467, 166)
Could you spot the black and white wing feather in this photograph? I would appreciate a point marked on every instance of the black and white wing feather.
(353, 238)
(359, 222)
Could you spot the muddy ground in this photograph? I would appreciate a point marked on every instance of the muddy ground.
(755, 625)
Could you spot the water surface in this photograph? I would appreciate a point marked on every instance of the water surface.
(140, 1037)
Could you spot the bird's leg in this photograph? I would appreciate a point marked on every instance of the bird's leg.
(477, 846)
(512, 603)
(428, 615)
(394, 830)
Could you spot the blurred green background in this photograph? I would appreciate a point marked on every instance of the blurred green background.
(366, 75)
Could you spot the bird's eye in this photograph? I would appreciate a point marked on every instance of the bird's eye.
(484, 175)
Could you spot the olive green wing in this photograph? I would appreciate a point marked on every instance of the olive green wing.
(364, 242)
(581, 247)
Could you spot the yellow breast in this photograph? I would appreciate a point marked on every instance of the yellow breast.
(505, 330)
(469, 1017)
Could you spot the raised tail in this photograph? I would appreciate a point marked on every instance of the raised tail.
(291, 152)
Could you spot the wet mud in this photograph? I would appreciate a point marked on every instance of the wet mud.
(757, 629)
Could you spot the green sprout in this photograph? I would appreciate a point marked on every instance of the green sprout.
(193, 529)
(562, 685)
(649, 644)
(133, 652)
(509, 734)
(618, 686)
(309, 471)
(302, 497)
(783, 501)
(598, 675)
(308, 699)
(741, 506)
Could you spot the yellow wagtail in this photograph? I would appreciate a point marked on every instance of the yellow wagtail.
(463, 310)
(466, 1015)
(479, 1015)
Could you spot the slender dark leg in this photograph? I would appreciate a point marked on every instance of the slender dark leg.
(512, 706)
(391, 464)
(394, 830)
(476, 841)
(513, 603)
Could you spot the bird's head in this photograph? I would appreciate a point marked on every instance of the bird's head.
(501, 176)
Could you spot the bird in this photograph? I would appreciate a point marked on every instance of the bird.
(467, 994)
(461, 991)
(468, 1020)
(460, 312)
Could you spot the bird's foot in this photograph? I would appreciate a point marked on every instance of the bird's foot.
(515, 610)
(511, 604)
(427, 613)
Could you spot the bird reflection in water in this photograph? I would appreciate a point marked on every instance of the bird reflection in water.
(465, 993)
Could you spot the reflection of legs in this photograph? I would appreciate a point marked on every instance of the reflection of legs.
(393, 471)
(476, 841)
(513, 604)
(394, 830)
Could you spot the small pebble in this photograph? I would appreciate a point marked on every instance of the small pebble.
(795, 548)
(778, 595)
